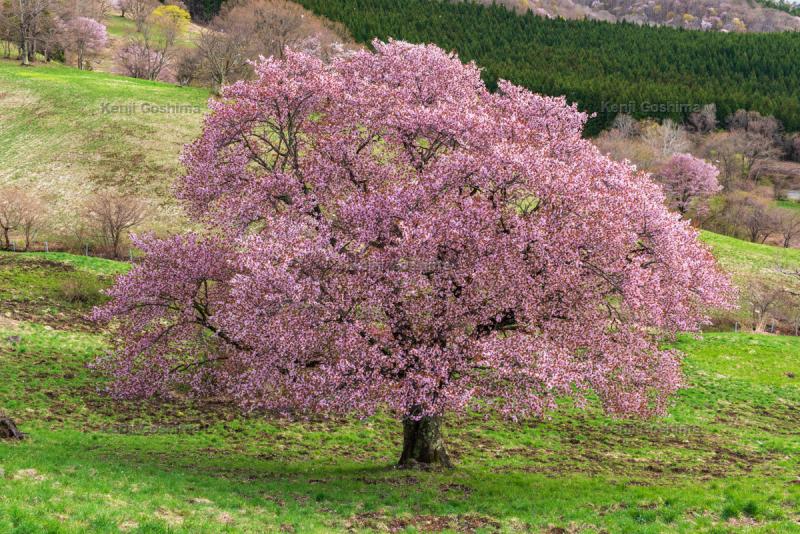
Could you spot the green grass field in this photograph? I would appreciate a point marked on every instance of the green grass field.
(61, 133)
(726, 458)
(746, 262)
(789, 204)
(742, 257)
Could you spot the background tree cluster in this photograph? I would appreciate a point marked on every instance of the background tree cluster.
(247, 29)
(101, 223)
(728, 180)
(222, 50)
(65, 29)
(604, 67)
(733, 181)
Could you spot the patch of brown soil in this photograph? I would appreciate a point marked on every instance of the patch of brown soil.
(464, 523)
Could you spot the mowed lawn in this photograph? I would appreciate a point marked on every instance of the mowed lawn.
(724, 459)
(66, 132)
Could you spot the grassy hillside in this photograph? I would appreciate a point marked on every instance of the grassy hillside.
(742, 257)
(754, 268)
(121, 29)
(788, 204)
(605, 67)
(725, 458)
(68, 132)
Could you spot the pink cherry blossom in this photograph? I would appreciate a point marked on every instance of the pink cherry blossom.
(83, 37)
(382, 232)
(688, 181)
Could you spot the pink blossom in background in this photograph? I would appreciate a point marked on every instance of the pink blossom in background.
(688, 180)
(83, 37)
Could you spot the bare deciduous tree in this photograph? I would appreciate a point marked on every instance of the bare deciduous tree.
(753, 215)
(10, 212)
(187, 66)
(625, 126)
(756, 147)
(736, 154)
(34, 214)
(762, 298)
(111, 215)
(222, 56)
(138, 10)
(705, 120)
(20, 211)
(788, 224)
(667, 138)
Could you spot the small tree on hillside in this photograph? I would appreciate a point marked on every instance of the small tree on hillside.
(139, 10)
(20, 211)
(385, 233)
(788, 224)
(222, 56)
(705, 120)
(11, 212)
(112, 215)
(170, 22)
(688, 182)
(752, 215)
(84, 37)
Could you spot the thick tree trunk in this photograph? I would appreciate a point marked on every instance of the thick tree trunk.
(25, 52)
(423, 445)
(8, 430)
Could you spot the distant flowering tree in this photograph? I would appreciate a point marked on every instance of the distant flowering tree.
(384, 233)
(688, 181)
(139, 59)
(85, 38)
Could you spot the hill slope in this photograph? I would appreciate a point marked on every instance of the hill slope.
(67, 132)
(606, 68)
(724, 15)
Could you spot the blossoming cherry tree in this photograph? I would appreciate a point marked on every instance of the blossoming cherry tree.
(382, 232)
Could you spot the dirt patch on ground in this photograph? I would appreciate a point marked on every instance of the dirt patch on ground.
(36, 263)
(640, 451)
(48, 314)
(7, 322)
(465, 523)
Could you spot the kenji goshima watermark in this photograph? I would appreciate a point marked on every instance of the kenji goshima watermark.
(649, 107)
(132, 108)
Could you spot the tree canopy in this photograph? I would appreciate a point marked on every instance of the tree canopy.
(384, 232)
